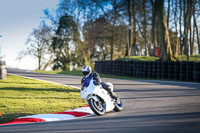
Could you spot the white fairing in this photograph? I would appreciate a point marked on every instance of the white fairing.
(91, 91)
(110, 85)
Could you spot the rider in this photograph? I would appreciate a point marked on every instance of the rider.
(87, 72)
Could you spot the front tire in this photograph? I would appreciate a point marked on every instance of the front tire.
(96, 106)
(118, 105)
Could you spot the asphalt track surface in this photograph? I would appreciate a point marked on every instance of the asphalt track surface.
(149, 107)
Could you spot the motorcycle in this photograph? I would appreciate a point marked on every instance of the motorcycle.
(98, 98)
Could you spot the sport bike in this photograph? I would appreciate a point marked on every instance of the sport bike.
(98, 98)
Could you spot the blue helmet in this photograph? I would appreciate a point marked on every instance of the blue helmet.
(86, 70)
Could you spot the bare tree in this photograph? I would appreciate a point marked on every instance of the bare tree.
(38, 46)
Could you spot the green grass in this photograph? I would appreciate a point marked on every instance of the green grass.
(191, 58)
(21, 96)
(140, 58)
(153, 58)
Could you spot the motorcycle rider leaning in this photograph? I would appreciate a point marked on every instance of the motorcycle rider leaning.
(87, 72)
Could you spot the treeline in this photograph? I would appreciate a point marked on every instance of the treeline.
(82, 31)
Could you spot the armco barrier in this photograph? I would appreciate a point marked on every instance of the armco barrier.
(183, 71)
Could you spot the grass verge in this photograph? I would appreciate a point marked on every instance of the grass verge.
(153, 58)
(21, 96)
(78, 73)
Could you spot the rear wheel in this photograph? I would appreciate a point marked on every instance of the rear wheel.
(118, 105)
(96, 106)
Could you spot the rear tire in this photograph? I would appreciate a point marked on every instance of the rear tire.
(118, 105)
(96, 107)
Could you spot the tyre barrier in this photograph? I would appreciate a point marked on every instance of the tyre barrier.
(154, 70)
(196, 72)
(159, 69)
(164, 73)
(189, 71)
(171, 70)
(145, 70)
(183, 71)
(176, 70)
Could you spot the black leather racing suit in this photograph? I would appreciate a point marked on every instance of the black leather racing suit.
(97, 80)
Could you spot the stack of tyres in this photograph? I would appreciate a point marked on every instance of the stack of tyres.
(196, 72)
(133, 68)
(164, 70)
(145, 69)
(129, 69)
(117, 68)
(103, 63)
(97, 66)
(120, 66)
(114, 68)
(177, 70)
(159, 69)
(183, 66)
(150, 69)
(170, 70)
(137, 66)
(111, 67)
(189, 71)
(154, 70)
(141, 69)
(124, 68)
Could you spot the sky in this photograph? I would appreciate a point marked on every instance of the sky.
(17, 20)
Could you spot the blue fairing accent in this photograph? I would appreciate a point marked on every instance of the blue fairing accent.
(87, 81)
(120, 104)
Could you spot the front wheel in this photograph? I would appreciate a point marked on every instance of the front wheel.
(118, 105)
(96, 106)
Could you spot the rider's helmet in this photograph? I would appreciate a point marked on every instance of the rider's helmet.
(86, 70)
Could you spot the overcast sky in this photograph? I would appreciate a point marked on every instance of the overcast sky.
(17, 19)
